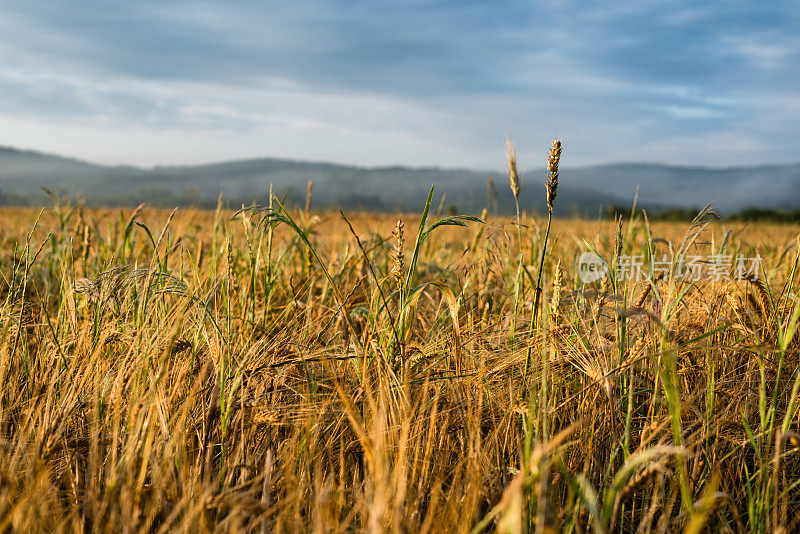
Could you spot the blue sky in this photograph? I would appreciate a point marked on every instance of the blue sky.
(421, 83)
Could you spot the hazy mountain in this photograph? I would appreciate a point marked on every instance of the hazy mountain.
(583, 190)
(734, 188)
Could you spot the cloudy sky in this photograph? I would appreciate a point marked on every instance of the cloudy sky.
(421, 82)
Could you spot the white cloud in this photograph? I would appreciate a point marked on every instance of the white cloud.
(764, 50)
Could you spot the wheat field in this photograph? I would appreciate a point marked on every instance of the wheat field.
(284, 370)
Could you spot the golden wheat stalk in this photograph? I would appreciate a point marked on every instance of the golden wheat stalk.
(555, 301)
(551, 184)
(308, 198)
(763, 294)
(398, 269)
(513, 175)
(646, 291)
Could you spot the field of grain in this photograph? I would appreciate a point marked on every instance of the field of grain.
(276, 370)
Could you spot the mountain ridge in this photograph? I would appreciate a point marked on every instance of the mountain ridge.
(584, 189)
(253, 159)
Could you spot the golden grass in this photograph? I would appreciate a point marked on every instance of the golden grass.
(213, 375)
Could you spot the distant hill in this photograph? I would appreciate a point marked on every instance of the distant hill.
(582, 190)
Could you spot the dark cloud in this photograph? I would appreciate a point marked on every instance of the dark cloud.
(625, 80)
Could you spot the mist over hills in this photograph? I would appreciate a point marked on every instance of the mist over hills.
(584, 190)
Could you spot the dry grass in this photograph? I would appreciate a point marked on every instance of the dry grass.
(219, 374)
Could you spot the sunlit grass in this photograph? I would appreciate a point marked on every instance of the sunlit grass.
(270, 370)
